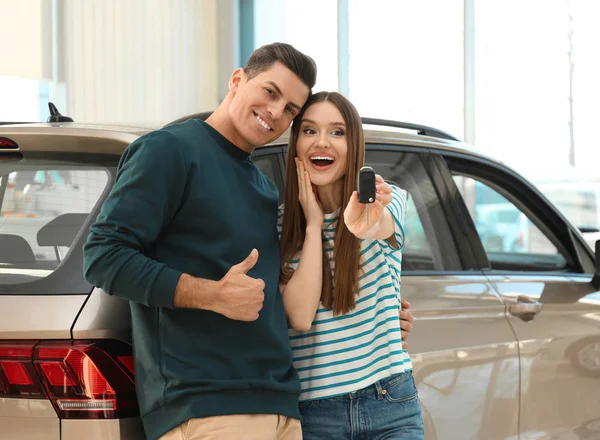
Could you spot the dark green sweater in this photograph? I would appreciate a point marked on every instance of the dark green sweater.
(187, 200)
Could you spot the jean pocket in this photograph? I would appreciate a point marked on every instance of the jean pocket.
(305, 403)
(402, 389)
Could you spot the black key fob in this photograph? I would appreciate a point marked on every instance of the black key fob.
(366, 185)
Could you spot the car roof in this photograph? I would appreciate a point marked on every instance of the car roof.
(117, 137)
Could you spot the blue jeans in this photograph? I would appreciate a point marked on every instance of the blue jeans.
(388, 409)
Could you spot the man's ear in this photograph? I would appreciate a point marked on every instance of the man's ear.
(237, 77)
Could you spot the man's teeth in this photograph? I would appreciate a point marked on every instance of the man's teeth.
(263, 123)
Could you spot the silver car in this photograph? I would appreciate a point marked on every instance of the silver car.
(506, 342)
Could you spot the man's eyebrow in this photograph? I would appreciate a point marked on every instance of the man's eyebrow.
(310, 121)
(278, 90)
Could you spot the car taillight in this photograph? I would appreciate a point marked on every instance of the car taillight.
(17, 374)
(83, 379)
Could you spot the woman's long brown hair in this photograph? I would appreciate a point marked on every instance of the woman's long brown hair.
(338, 291)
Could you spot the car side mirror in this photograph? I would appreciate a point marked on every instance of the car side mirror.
(596, 278)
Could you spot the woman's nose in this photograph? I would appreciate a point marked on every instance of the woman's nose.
(323, 140)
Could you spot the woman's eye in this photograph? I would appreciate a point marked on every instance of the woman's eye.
(308, 131)
(338, 132)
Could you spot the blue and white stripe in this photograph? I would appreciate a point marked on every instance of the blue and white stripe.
(341, 354)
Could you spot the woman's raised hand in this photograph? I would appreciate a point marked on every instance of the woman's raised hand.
(355, 215)
(308, 198)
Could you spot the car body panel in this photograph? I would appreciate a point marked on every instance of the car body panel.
(38, 316)
(556, 399)
(123, 429)
(463, 339)
(103, 316)
(28, 419)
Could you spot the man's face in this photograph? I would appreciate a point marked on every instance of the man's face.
(264, 106)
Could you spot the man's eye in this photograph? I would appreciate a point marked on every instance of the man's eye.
(270, 92)
(290, 110)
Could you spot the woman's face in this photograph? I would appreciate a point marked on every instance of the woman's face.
(322, 143)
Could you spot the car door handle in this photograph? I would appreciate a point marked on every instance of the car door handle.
(525, 308)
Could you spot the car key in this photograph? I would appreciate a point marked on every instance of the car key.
(366, 187)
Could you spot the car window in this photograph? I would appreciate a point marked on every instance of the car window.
(267, 161)
(579, 206)
(43, 206)
(429, 245)
(510, 239)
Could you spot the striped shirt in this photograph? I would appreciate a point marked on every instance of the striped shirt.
(342, 354)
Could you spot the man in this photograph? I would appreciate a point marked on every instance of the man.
(188, 235)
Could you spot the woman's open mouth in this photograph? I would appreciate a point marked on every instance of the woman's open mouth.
(321, 162)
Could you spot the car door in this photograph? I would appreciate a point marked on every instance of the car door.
(464, 354)
(542, 269)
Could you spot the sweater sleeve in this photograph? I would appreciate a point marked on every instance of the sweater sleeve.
(150, 182)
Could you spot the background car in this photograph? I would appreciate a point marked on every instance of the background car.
(493, 326)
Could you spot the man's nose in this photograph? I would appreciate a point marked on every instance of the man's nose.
(276, 111)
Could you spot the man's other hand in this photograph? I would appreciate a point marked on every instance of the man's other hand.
(406, 321)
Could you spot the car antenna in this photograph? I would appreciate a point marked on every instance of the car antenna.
(55, 115)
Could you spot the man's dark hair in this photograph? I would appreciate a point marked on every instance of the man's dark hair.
(265, 56)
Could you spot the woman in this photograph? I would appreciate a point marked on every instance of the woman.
(340, 281)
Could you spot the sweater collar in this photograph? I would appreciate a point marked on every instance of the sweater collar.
(225, 145)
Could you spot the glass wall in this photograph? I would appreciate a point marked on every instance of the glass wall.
(406, 61)
(522, 73)
(309, 25)
(532, 90)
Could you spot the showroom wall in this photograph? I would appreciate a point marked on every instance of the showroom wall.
(148, 61)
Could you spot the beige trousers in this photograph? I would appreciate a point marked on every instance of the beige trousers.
(238, 427)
